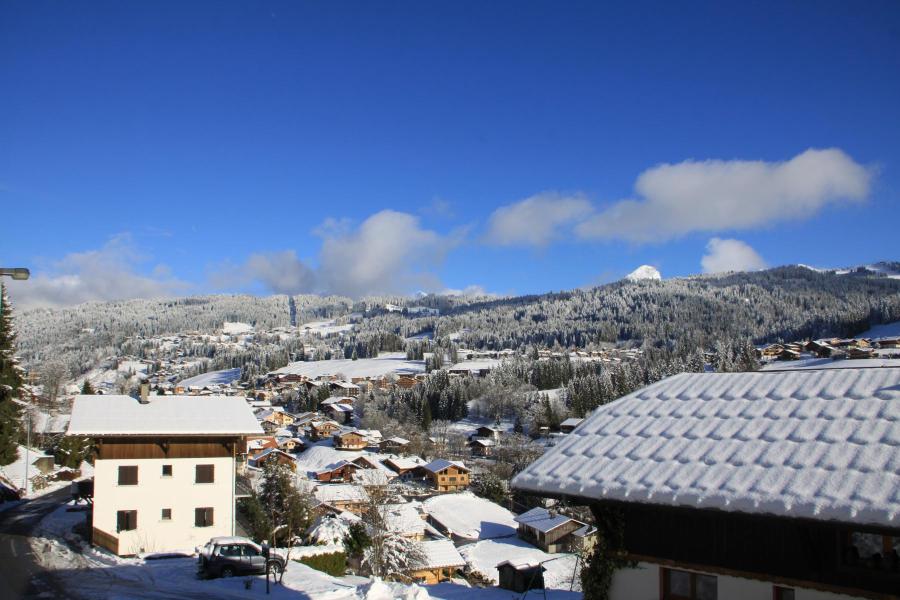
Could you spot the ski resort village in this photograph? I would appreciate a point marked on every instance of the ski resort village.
(386, 458)
(404, 300)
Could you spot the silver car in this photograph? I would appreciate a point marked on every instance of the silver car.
(230, 556)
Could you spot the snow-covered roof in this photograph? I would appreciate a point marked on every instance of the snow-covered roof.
(440, 464)
(571, 422)
(406, 462)
(811, 444)
(341, 493)
(540, 519)
(440, 554)
(162, 415)
(372, 477)
(404, 518)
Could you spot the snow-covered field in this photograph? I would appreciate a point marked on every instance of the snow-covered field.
(324, 328)
(469, 516)
(223, 377)
(484, 556)
(389, 362)
(885, 330)
(234, 328)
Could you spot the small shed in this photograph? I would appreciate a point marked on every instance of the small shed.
(521, 577)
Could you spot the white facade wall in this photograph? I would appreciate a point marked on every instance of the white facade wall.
(155, 492)
(643, 583)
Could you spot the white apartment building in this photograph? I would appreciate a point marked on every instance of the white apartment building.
(164, 471)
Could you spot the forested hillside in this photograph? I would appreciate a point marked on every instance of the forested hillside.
(677, 315)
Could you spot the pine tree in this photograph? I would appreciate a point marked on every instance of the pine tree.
(87, 389)
(10, 383)
(426, 415)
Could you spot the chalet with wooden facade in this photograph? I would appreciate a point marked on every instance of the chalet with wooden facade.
(447, 475)
(349, 440)
(406, 468)
(779, 484)
(395, 445)
(343, 496)
(442, 561)
(322, 430)
(340, 472)
(552, 531)
(482, 446)
(164, 469)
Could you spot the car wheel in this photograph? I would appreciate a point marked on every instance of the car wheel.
(275, 567)
(227, 572)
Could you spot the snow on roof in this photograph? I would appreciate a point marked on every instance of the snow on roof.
(397, 440)
(541, 519)
(372, 477)
(386, 363)
(571, 422)
(466, 515)
(341, 492)
(336, 400)
(808, 444)
(406, 462)
(343, 408)
(403, 518)
(162, 415)
(830, 363)
(441, 553)
(440, 464)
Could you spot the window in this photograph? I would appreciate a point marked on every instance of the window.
(203, 517)
(871, 551)
(126, 520)
(205, 474)
(128, 475)
(166, 514)
(782, 593)
(684, 585)
(167, 470)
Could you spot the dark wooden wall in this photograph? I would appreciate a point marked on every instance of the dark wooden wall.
(772, 548)
(137, 447)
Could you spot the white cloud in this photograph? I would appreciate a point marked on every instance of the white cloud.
(109, 273)
(730, 255)
(535, 221)
(282, 272)
(715, 195)
(389, 253)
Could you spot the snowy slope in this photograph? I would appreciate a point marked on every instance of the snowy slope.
(223, 377)
(389, 362)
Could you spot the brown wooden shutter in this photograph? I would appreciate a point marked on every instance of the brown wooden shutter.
(203, 517)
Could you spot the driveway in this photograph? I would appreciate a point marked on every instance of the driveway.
(23, 577)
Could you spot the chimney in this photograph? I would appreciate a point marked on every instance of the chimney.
(145, 393)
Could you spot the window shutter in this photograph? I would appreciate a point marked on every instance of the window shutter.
(205, 474)
(128, 475)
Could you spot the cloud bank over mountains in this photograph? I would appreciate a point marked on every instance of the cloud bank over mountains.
(674, 200)
(391, 252)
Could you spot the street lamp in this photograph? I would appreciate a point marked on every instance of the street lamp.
(20, 274)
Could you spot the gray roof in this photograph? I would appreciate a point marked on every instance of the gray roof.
(811, 444)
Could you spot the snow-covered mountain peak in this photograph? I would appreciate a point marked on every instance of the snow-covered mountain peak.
(644, 272)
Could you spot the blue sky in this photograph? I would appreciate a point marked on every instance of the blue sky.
(172, 148)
